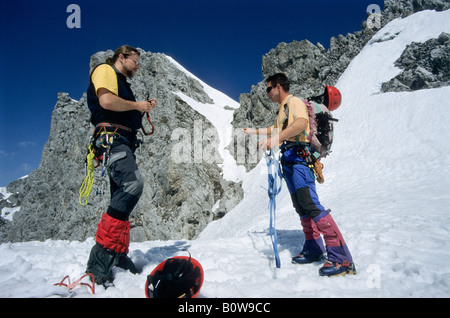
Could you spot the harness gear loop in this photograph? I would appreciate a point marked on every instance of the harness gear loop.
(274, 173)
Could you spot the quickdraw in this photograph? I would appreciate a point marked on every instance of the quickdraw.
(151, 124)
(78, 282)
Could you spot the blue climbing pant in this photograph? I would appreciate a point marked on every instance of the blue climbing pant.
(315, 219)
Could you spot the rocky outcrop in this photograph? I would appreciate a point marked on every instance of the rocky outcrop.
(403, 8)
(425, 65)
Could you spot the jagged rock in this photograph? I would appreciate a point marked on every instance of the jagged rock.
(425, 65)
(403, 8)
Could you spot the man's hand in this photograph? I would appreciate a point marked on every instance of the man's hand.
(153, 103)
(269, 143)
(249, 131)
(146, 106)
(115, 103)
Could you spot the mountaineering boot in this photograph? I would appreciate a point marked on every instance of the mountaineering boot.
(334, 269)
(313, 248)
(305, 258)
(100, 264)
(126, 263)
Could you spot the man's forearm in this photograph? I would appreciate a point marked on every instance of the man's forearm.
(113, 102)
(259, 131)
(297, 127)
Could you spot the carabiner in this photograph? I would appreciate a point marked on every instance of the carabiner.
(153, 127)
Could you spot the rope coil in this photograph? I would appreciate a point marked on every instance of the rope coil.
(86, 186)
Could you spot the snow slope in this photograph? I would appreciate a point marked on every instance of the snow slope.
(386, 183)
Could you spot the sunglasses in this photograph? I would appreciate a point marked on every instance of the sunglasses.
(268, 89)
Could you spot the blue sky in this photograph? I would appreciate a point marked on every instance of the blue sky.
(220, 41)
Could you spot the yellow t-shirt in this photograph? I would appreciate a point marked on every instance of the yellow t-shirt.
(297, 109)
(104, 76)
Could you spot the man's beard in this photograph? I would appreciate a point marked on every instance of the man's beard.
(129, 73)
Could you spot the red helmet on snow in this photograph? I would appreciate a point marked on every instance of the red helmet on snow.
(332, 98)
(176, 277)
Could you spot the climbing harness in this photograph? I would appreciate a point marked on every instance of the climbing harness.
(78, 282)
(274, 174)
(99, 148)
(303, 151)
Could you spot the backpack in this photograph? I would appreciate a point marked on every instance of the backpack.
(321, 128)
(321, 120)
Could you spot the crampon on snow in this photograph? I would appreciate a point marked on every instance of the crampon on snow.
(78, 282)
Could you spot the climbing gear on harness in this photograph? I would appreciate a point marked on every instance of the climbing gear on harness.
(318, 166)
(98, 149)
(304, 152)
(151, 124)
(78, 282)
(86, 186)
(102, 140)
(274, 173)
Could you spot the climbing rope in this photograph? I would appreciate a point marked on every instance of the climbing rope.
(151, 124)
(86, 186)
(274, 173)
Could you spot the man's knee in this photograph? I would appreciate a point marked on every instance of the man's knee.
(135, 187)
(304, 204)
